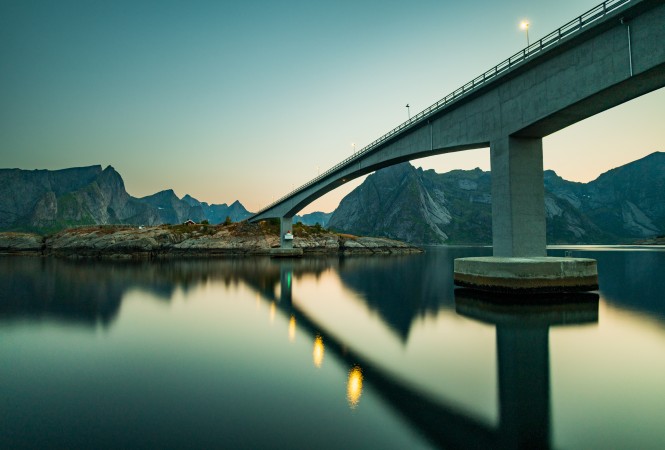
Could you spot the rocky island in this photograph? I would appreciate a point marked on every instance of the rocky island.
(195, 240)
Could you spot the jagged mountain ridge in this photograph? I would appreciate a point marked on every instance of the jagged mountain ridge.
(216, 213)
(402, 202)
(313, 218)
(45, 200)
(418, 206)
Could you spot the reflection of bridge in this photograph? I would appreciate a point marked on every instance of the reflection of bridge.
(523, 362)
(609, 55)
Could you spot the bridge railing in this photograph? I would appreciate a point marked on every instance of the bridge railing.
(552, 39)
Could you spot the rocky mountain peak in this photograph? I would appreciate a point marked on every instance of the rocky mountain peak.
(191, 201)
(45, 201)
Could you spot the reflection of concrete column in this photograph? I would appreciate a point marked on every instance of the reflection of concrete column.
(522, 340)
(524, 382)
(285, 226)
(285, 281)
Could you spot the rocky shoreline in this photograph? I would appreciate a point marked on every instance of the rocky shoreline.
(238, 239)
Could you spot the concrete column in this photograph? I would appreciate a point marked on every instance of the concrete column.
(518, 197)
(285, 225)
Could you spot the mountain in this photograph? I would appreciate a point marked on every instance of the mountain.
(50, 200)
(171, 209)
(628, 201)
(313, 218)
(216, 214)
(402, 202)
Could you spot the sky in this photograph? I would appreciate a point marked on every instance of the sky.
(248, 100)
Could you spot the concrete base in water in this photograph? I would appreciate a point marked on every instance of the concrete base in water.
(285, 252)
(527, 275)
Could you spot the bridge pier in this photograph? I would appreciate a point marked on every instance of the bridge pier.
(285, 249)
(519, 263)
(518, 197)
(285, 226)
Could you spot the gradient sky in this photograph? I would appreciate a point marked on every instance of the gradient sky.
(248, 100)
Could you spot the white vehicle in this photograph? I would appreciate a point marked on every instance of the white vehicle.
(288, 236)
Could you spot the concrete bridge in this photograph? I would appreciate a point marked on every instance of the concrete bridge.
(609, 55)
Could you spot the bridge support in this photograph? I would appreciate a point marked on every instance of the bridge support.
(285, 249)
(520, 263)
(518, 197)
(285, 226)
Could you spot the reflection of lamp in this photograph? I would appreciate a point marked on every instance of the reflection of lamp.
(292, 329)
(354, 386)
(522, 341)
(319, 349)
(272, 312)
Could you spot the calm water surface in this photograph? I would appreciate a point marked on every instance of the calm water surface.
(362, 352)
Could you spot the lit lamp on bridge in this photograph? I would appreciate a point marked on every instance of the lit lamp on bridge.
(525, 26)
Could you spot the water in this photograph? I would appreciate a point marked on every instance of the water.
(361, 352)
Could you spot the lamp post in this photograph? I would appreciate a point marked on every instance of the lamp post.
(408, 111)
(353, 144)
(525, 26)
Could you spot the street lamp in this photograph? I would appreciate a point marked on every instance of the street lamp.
(525, 26)
(408, 111)
(353, 144)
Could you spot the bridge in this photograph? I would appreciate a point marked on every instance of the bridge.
(609, 55)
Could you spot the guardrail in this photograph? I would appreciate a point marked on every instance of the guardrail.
(552, 39)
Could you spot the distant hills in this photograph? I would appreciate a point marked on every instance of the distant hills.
(50, 200)
(398, 202)
(313, 218)
(402, 202)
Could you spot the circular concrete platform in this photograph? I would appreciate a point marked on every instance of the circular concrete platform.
(527, 275)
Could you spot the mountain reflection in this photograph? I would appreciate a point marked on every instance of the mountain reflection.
(403, 288)
(632, 279)
(34, 288)
(88, 292)
(400, 289)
